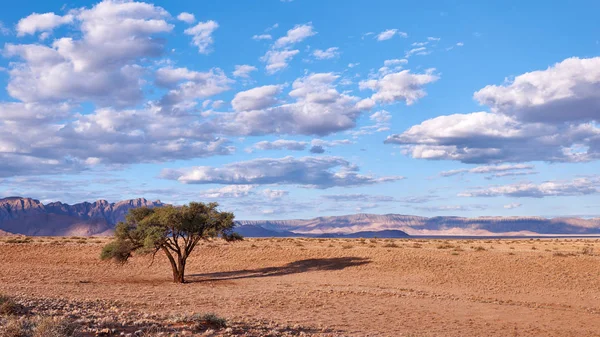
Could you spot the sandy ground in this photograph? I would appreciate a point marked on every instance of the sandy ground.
(357, 287)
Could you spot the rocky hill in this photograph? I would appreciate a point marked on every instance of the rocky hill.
(30, 217)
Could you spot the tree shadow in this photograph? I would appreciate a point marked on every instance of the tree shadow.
(296, 267)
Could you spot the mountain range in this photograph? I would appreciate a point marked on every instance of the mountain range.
(31, 217)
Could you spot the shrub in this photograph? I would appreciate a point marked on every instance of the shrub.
(479, 248)
(54, 327)
(8, 307)
(15, 327)
(587, 251)
(391, 245)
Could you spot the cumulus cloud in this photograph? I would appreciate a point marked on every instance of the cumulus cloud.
(42, 23)
(297, 34)
(101, 66)
(319, 109)
(277, 60)
(312, 172)
(243, 70)
(390, 33)
(202, 35)
(576, 187)
(565, 92)
(186, 17)
(401, 86)
(326, 54)
(257, 98)
(186, 86)
(549, 115)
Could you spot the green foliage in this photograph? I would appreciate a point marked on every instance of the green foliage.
(174, 230)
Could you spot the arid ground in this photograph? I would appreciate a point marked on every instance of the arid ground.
(373, 287)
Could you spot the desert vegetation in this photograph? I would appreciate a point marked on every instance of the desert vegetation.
(173, 230)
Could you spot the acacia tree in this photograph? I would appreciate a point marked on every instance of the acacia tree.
(173, 230)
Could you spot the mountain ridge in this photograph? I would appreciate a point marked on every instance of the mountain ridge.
(27, 216)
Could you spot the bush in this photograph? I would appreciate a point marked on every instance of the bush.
(53, 327)
(211, 320)
(587, 251)
(15, 328)
(8, 307)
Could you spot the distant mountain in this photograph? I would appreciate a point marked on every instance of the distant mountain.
(444, 225)
(30, 217)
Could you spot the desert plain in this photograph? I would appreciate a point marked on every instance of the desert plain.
(320, 287)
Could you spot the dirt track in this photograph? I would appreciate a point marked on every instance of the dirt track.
(360, 287)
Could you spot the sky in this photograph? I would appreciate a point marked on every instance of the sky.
(283, 109)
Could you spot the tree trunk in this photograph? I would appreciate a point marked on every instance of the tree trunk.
(180, 270)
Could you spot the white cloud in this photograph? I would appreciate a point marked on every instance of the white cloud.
(490, 169)
(319, 109)
(565, 92)
(312, 172)
(186, 17)
(394, 62)
(278, 59)
(275, 194)
(256, 98)
(417, 51)
(262, 37)
(329, 53)
(231, 191)
(202, 35)
(512, 205)
(400, 86)
(42, 23)
(101, 64)
(186, 86)
(390, 33)
(243, 70)
(280, 144)
(576, 187)
(297, 34)
(549, 115)
(3, 29)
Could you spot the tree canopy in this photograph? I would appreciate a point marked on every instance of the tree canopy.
(173, 230)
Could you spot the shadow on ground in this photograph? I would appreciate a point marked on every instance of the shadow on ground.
(295, 267)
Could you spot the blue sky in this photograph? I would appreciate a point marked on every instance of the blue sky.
(296, 109)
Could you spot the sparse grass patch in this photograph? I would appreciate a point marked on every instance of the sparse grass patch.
(587, 250)
(391, 245)
(479, 249)
(55, 327)
(9, 307)
(347, 246)
(417, 245)
(19, 240)
(563, 254)
(445, 246)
